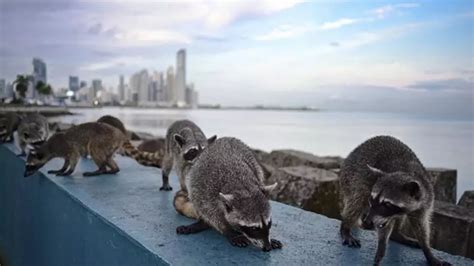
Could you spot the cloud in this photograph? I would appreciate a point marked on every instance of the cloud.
(337, 24)
(284, 32)
(384, 11)
(454, 84)
(113, 63)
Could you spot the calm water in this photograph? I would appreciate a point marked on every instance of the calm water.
(438, 143)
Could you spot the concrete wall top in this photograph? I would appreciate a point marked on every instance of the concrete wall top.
(131, 203)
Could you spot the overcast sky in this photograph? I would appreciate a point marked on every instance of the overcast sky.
(373, 55)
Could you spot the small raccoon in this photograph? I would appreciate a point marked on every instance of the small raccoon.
(9, 123)
(184, 142)
(383, 184)
(33, 130)
(98, 140)
(113, 121)
(226, 189)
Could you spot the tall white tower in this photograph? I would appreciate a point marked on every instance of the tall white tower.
(180, 85)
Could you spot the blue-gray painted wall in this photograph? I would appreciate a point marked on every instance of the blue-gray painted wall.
(124, 219)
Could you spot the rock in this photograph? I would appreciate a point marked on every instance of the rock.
(285, 158)
(453, 229)
(467, 199)
(445, 183)
(152, 145)
(309, 188)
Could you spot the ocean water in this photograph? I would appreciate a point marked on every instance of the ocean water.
(437, 142)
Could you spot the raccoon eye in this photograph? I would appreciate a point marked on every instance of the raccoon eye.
(254, 228)
(190, 155)
(382, 225)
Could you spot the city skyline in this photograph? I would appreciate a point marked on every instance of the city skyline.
(336, 55)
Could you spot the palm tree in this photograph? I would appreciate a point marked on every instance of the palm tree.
(43, 88)
(21, 82)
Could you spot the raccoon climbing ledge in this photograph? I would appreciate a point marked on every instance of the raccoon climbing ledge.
(125, 219)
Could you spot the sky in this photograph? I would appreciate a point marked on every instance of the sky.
(407, 56)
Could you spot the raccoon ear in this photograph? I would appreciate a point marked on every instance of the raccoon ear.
(211, 139)
(413, 189)
(179, 139)
(375, 171)
(268, 189)
(226, 199)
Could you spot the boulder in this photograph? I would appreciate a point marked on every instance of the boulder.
(309, 188)
(285, 158)
(445, 183)
(467, 199)
(453, 229)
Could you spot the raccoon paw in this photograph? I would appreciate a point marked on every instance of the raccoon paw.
(239, 241)
(276, 244)
(166, 187)
(351, 241)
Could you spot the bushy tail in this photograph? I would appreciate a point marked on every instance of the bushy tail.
(142, 157)
(184, 206)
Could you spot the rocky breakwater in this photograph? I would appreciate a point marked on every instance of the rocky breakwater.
(312, 183)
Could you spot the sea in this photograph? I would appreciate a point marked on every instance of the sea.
(438, 142)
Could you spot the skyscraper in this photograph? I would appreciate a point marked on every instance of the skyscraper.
(191, 96)
(94, 89)
(39, 74)
(74, 83)
(170, 86)
(180, 86)
(3, 89)
(122, 96)
(140, 83)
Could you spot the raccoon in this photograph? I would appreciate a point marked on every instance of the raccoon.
(383, 183)
(184, 142)
(226, 189)
(33, 130)
(99, 140)
(113, 121)
(9, 123)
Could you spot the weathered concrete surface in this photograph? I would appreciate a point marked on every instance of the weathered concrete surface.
(445, 184)
(453, 229)
(467, 199)
(131, 204)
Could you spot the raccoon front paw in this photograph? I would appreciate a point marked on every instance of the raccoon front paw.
(184, 230)
(166, 187)
(439, 263)
(351, 241)
(276, 244)
(239, 241)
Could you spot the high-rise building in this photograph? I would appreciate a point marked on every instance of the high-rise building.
(74, 83)
(159, 86)
(32, 81)
(191, 96)
(39, 74)
(94, 89)
(83, 84)
(180, 86)
(3, 88)
(9, 90)
(122, 96)
(140, 83)
(170, 86)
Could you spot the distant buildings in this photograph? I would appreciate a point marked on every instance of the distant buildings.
(180, 86)
(74, 83)
(121, 91)
(170, 86)
(94, 90)
(191, 96)
(3, 89)
(39, 74)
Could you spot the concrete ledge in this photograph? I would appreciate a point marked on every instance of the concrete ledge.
(125, 220)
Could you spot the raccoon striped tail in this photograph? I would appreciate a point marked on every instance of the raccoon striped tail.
(145, 158)
(184, 206)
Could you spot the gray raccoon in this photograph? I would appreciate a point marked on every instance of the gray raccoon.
(9, 123)
(184, 142)
(33, 130)
(226, 190)
(384, 184)
(98, 140)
